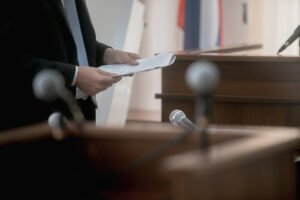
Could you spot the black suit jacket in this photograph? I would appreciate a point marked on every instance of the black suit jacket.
(34, 35)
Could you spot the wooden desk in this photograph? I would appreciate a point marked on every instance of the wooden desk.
(253, 90)
(91, 163)
(245, 169)
(225, 49)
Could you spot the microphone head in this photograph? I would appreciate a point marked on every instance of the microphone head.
(47, 84)
(202, 77)
(57, 120)
(176, 116)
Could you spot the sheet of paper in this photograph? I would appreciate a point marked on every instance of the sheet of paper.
(157, 61)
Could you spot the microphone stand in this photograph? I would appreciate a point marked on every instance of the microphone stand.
(75, 110)
(202, 115)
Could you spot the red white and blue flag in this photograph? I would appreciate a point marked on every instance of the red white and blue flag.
(201, 21)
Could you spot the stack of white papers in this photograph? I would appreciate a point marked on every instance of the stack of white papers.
(155, 62)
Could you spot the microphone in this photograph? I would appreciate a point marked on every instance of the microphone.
(202, 77)
(58, 123)
(178, 118)
(291, 39)
(49, 85)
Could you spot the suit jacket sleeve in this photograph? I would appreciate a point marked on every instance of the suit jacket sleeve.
(24, 66)
(100, 49)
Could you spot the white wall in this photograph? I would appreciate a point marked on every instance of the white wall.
(109, 20)
(121, 99)
(161, 34)
(235, 30)
(118, 23)
(272, 22)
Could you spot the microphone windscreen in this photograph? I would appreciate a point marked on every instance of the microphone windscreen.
(58, 123)
(176, 116)
(47, 84)
(202, 77)
(55, 120)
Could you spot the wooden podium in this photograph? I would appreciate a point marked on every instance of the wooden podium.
(253, 90)
(241, 162)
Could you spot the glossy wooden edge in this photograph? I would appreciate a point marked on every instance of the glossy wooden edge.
(269, 141)
(26, 133)
(89, 130)
(224, 48)
(230, 48)
(223, 57)
(141, 131)
(229, 99)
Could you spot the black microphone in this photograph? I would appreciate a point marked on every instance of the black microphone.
(58, 123)
(49, 85)
(291, 39)
(202, 77)
(178, 118)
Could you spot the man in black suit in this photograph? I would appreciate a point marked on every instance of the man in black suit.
(35, 35)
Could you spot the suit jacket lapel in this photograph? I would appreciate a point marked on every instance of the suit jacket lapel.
(61, 13)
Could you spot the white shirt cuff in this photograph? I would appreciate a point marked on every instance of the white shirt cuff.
(79, 93)
(75, 76)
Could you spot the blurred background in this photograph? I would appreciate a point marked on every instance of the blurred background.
(148, 27)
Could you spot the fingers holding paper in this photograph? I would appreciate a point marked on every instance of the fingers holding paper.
(114, 56)
(93, 80)
(133, 55)
(155, 62)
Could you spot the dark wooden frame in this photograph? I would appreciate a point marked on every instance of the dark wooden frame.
(253, 90)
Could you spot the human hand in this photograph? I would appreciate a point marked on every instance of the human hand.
(92, 80)
(114, 56)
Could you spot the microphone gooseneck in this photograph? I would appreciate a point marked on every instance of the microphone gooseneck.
(290, 40)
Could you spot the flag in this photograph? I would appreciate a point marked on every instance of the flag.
(181, 13)
(202, 24)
